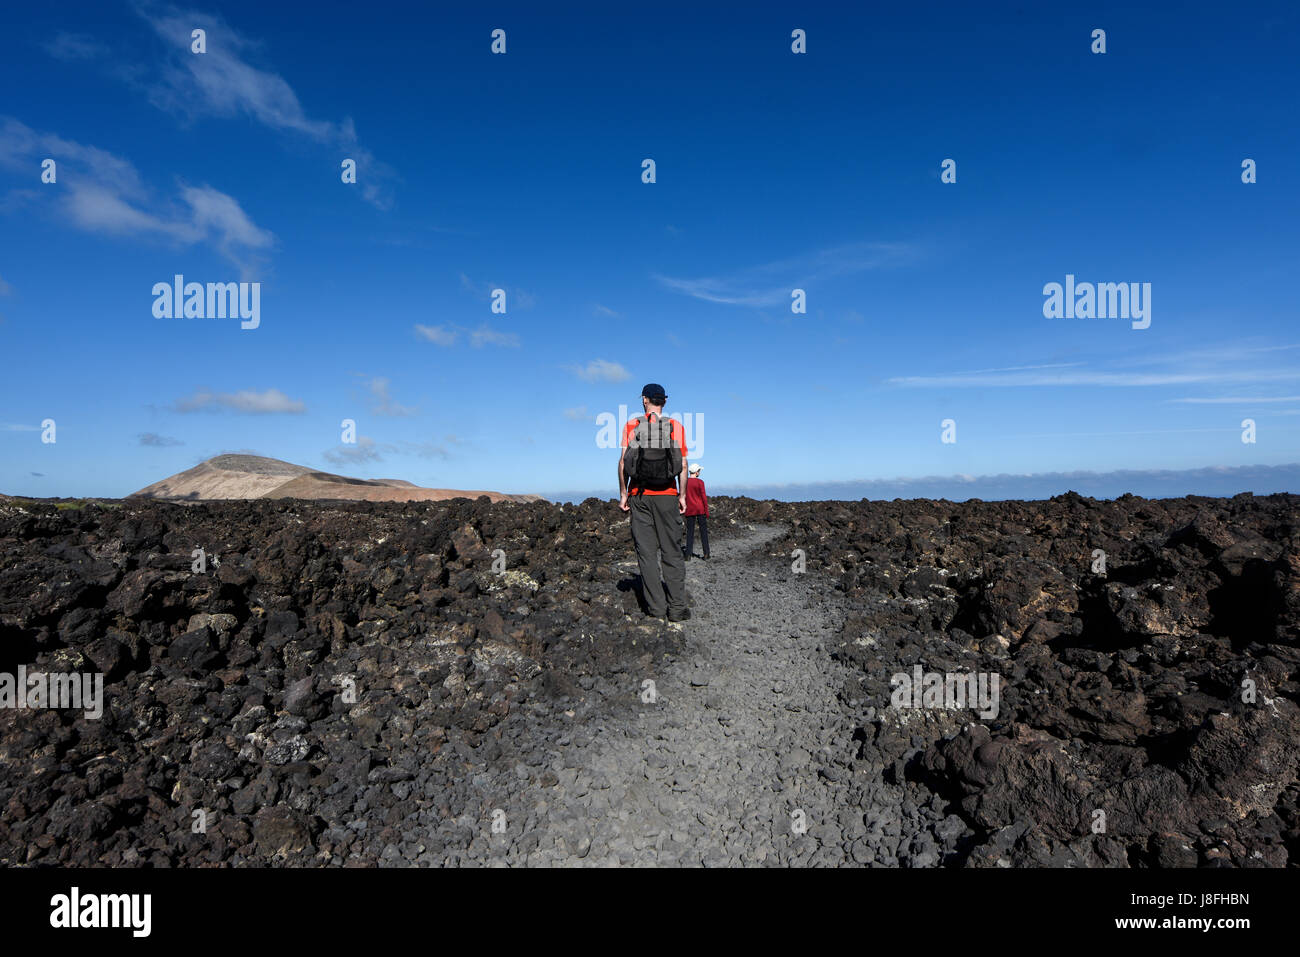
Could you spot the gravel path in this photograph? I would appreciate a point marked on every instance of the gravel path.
(745, 757)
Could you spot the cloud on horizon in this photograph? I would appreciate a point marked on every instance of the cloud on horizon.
(1216, 480)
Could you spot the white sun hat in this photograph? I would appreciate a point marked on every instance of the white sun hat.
(694, 468)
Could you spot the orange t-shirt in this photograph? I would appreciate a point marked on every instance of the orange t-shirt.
(675, 431)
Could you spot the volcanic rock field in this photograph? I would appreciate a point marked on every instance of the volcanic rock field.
(474, 683)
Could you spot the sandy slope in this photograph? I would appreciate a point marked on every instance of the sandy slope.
(255, 476)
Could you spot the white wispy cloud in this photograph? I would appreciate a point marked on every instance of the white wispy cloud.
(1044, 365)
(217, 215)
(427, 450)
(448, 334)
(771, 283)
(484, 336)
(1244, 351)
(1071, 435)
(248, 401)
(365, 450)
(103, 193)
(1085, 378)
(1239, 400)
(384, 403)
(601, 370)
(515, 298)
(577, 414)
(438, 335)
(1206, 366)
(223, 82)
(605, 311)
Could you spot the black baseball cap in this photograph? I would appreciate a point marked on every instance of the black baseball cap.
(654, 392)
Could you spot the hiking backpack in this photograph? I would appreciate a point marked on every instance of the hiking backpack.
(653, 461)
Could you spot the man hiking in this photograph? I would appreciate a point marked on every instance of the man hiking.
(652, 486)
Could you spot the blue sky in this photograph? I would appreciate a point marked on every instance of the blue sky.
(523, 172)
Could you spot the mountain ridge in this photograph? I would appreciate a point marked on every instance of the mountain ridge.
(241, 476)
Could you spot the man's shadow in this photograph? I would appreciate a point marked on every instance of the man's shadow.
(634, 584)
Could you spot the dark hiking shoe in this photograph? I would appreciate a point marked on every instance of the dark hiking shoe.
(683, 615)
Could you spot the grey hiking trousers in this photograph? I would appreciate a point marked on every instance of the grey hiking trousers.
(657, 530)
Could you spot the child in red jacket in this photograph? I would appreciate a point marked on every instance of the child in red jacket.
(697, 510)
